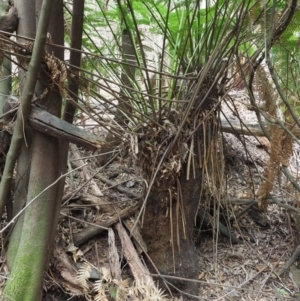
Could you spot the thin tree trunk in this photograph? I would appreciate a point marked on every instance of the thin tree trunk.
(5, 82)
(26, 28)
(73, 87)
(170, 246)
(24, 110)
(53, 104)
(25, 281)
(124, 106)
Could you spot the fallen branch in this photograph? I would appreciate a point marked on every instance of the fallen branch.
(290, 261)
(88, 233)
(49, 124)
(270, 199)
(250, 129)
(208, 220)
(139, 271)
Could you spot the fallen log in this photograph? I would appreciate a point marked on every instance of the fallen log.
(249, 128)
(236, 127)
(88, 233)
(49, 124)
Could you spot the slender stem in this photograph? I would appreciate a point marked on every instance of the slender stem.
(27, 95)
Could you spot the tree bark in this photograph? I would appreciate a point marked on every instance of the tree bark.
(159, 230)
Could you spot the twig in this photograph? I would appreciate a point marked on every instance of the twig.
(117, 187)
(29, 203)
(83, 221)
(236, 216)
(269, 198)
(201, 282)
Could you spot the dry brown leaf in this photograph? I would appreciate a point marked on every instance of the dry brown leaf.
(264, 143)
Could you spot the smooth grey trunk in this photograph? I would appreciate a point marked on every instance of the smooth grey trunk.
(124, 106)
(5, 81)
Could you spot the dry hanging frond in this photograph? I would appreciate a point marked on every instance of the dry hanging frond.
(287, 149)
(265, 91)
(241, 71)
(271, 168)
(57, 70)
(23, 53)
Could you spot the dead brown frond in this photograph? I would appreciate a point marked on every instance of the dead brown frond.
(287, 149)
(271, 169)
(76, 252)
(122, 289)
(281, 144)
(103, 286)
(281, 149)
(83, 276)
(56, 68)
(265, 91)
(100, 291)
(241, 72)
(58, 72)
(22, 51)
(154, 142)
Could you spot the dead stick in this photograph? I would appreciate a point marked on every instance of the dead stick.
(290, 261)
(92, 231)
(139, 271)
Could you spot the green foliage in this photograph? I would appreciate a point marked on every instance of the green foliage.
(192, 34)
(286, 56)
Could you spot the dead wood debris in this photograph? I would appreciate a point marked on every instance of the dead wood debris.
(88, 233)
(140, 273)
(293, 258)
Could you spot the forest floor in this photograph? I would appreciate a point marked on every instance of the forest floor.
(248, 271)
